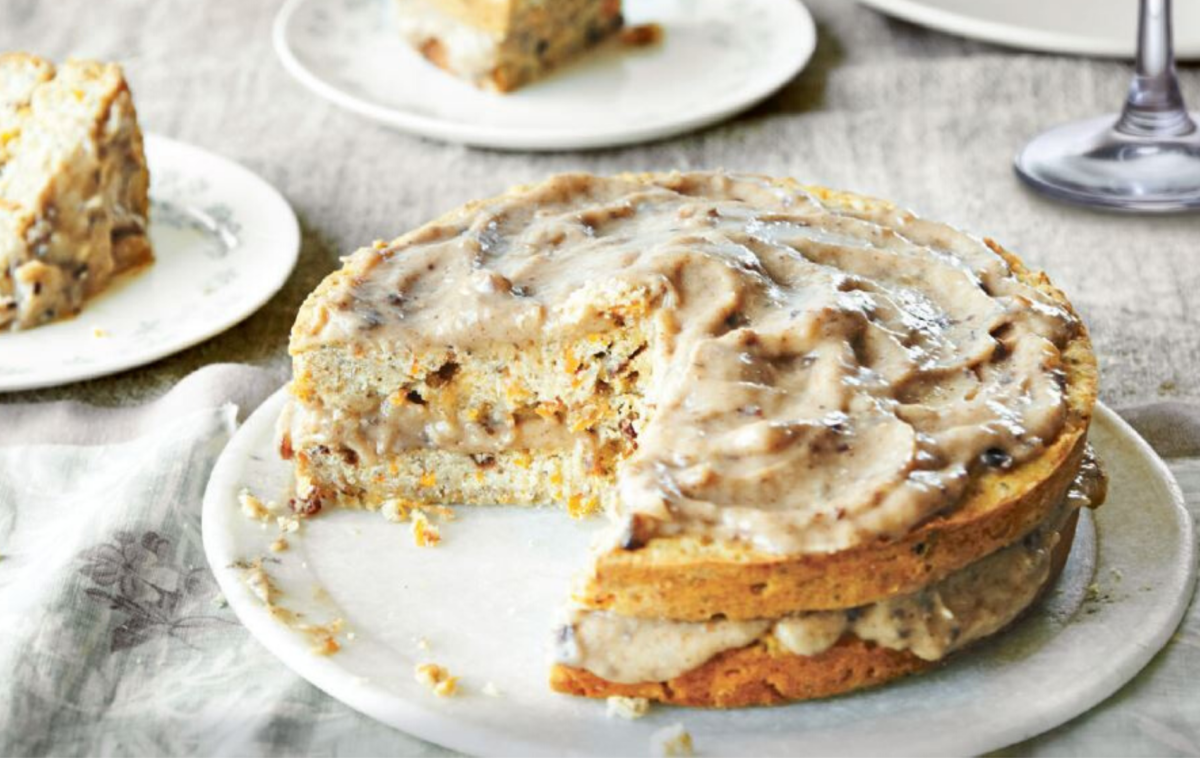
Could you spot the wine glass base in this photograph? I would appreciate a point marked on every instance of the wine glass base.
(1090, 163)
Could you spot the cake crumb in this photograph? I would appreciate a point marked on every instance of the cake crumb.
(259, 583)
(288, 524)
(673, 741)
(279, 545)
(99, 333)
(252, 507)
(351, 636)
(437, 678)
(641, 35)
(395, 510)
(578, 506)
(423, 644)
(491, 690)
(424, 533)
(325, 637)
(628, 707)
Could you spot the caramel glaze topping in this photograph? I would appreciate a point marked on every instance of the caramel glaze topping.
(826, 370)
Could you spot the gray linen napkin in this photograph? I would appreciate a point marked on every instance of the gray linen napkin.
(115, 639)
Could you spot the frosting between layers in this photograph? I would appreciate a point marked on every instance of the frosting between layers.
(826, 370)
(933, 622)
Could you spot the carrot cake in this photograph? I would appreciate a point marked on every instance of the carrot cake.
(504, 44)
(73, 186)
(837, 442)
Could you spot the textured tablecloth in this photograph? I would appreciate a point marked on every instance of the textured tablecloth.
(885, 108)
(135, 658)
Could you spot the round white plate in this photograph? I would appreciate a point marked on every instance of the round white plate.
(717, 58)
(1106, 28)
(485, 599)
(224, 242)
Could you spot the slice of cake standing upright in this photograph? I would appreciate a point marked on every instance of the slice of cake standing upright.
(73, 186)
(504, 44)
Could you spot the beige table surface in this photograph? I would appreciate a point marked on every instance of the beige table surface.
(885, 108)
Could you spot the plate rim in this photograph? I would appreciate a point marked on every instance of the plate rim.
(533, 140)
(1011, 36)
(290, 240)
(432, 725)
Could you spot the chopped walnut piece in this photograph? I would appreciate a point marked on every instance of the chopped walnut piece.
(437, 678)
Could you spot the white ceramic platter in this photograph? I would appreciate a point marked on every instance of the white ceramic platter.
(1106, 28)
(485, 599)
(717, 58)
(224, 242)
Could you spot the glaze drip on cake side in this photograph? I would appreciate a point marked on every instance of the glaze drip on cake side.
(817, 378)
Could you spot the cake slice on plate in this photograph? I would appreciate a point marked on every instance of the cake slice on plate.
(73, 186)
(504, 44)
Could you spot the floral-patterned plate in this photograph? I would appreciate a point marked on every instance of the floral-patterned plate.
(717, 58)
(354, 606)
(224, 241)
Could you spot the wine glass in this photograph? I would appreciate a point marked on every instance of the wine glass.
(1144, 160)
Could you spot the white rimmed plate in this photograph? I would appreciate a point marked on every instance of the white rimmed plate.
(717, 58)
(485, 600)
(224, 241)
(1105, 28)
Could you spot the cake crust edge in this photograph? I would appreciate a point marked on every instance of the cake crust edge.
(755, 675)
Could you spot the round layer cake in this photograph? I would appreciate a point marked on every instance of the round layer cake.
(838, 442)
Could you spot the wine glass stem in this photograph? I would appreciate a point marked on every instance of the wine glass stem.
(1155, 106)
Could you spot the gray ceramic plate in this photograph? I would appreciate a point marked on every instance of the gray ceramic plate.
(716, 58)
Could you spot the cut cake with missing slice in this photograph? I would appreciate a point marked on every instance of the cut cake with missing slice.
(839, 442)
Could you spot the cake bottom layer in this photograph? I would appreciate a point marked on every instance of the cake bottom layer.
(766, 671)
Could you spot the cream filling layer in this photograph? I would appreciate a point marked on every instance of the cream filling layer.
(966, 606)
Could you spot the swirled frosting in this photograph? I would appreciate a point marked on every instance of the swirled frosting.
(826, 369)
